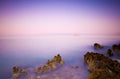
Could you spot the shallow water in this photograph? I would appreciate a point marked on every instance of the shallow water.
(30, 52)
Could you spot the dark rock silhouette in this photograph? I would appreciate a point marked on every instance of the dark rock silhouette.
(116, 48)
(109, 53)
(17, 71)
(97, 46)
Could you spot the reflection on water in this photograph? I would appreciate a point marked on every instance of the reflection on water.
(33, 51)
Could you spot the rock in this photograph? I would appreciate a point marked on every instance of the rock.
(58, 59)
(116, 48)
(53, 65)
(97, 46)
(102, 67)
(38, 70)
(17, 71)
(45, 68)
(109, 53)
(100, 75)
(50, 64)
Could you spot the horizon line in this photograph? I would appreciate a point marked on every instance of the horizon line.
(59, 34)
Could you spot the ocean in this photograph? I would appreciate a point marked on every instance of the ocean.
(31, 52)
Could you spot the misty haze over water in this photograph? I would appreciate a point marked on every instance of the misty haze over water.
(33, 51)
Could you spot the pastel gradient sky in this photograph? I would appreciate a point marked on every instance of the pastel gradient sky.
(38, 17)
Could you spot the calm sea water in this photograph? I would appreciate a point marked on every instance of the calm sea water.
(33, 51)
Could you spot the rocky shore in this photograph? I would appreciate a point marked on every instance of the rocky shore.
(50, 65)
(52, 69)
(101, 66)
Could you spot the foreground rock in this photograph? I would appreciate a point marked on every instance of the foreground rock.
(17, 71)
(62, 72)
(50, 64)
(101, 67)
(97, 46)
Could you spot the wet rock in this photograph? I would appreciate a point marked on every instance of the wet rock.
(58, 59)
(109, 53)
(100, 75)
(116, 48)
(45, 68)
(38, 70)
(102, 67)
(50, 64)
(97, 46)
(17, 71)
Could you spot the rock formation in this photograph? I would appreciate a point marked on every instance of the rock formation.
(17, 71)
(97, 46)
(101, 67)
(109, 53)
(50, 64)
(116, 48)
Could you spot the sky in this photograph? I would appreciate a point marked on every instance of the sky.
(39, 17)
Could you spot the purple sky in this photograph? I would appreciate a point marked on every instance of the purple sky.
(29, 18)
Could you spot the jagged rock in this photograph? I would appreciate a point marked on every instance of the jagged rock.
(45, 68)
(17, 71)
(58, 59)
(109, 53)
(116, 48)
(97, 46)
(98, 64)
(38, 70)
(50, 64)
(100, 75)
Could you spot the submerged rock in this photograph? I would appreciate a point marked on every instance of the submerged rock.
(97, 46)
(102, 67)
